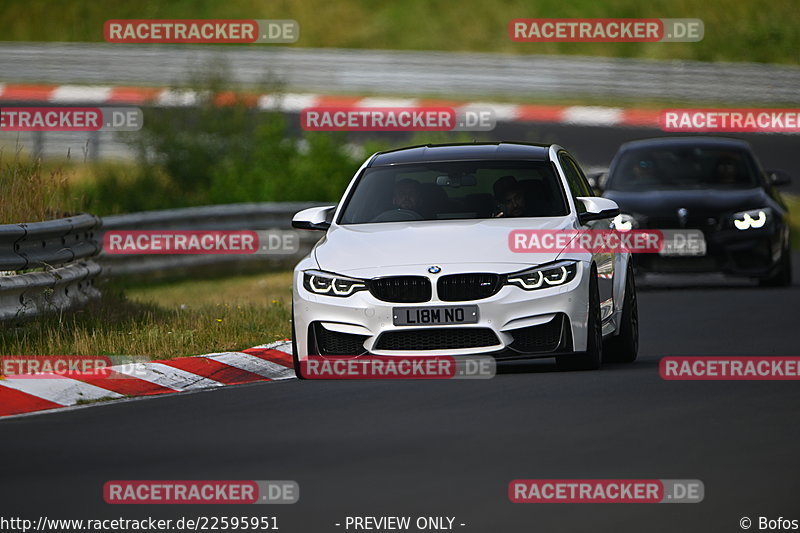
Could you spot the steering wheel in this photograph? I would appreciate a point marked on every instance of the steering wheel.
(398, 215)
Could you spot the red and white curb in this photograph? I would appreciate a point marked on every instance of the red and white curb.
(296, 102)
(269, 362)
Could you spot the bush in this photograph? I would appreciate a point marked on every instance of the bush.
(210, 153)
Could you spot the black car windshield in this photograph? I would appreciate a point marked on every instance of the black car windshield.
(455, 190)
(682, 168)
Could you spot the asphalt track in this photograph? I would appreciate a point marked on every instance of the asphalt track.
(451, 448)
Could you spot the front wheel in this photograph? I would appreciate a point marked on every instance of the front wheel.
(624, 347)
(783, 276)
(298, 372)
(591, 358)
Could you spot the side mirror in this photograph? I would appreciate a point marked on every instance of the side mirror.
(316, 218)
(597, 208)
(779, 178)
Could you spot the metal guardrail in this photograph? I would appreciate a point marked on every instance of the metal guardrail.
(66, 249)
(37, 293)
(47, 244)
(407, 73)
(62, 248)
(250, 216)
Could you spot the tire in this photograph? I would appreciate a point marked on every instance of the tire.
(624, 347)
(783, 276)
(295, 359)
(591, 358)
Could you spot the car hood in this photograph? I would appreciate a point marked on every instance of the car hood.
(711, 202)
(389, 248)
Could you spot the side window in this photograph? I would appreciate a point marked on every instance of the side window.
(578, 186)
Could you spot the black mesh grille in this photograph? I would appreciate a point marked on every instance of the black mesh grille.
(542, 338)
(337, 343)
(437, 339)
(674, 222)
(669, 264)
(401, 289)
(465, 287)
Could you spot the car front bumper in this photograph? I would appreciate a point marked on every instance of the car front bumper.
(752, 253)
(512, 323)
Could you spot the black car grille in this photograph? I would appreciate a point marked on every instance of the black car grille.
(337, 343)
(679, 264)
(437, 339)
(401, 289)
(674, 222)
(465, 287)
(541, 338)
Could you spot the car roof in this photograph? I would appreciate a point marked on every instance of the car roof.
(462, 152)
(697, 140)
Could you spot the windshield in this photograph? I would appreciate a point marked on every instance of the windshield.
(682, 168)
(455, 190)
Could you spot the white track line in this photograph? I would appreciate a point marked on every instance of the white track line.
(283, 346)
(77, 93)
(593, 115)
(167, 376)
(251, 363)
(502, 112)
(387, 102)
(171, 97)
(63, 391)
(287, 102)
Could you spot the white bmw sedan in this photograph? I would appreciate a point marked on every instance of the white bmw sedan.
(417, 260)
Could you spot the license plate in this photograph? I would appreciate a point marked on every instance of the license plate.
(435, 316)
(683, 243)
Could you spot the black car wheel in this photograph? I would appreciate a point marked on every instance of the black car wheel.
(591, 358)
(624, 347)
(295, 359)
(783, 275)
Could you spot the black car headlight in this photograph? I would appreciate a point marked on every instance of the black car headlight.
(544, 276)
(752, 219)
(329, 284)
(624, 222)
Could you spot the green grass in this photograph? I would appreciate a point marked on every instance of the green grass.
(734, 30)
(33, 192)
(164, 320)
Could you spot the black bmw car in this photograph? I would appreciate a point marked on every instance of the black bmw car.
(714, 185)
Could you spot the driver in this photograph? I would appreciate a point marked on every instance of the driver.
(406, 194)
(510, 197)
(644, 173)
(726, 171)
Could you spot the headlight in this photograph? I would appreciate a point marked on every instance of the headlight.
(331, 284)
(623, 222)
(544, 276)
(755, 218)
